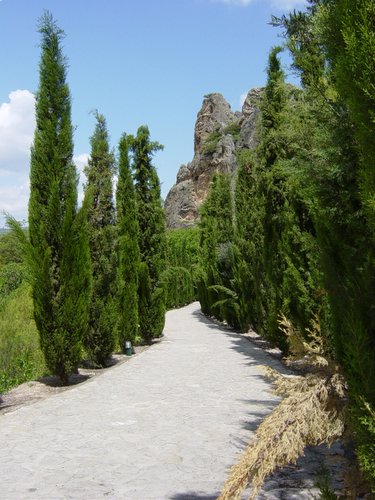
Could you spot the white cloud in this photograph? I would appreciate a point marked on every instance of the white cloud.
(17, 123)
(14, 200)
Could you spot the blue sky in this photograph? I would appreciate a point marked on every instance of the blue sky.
(137, 62)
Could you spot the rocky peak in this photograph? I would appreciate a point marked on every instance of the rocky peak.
(214, 114)
(219, 134)
(252, 102)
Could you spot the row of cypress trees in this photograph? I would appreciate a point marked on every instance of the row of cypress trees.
(95, 270)
(302, 217)
(180, 275)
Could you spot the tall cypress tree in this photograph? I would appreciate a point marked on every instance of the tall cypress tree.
(60, 254)
(332, 47)
(128, 250)
(216, 235)
(249, 237)
(271, 191)
(151, 235)
(100, 338)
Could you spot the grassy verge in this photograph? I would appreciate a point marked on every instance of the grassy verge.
(20, 356)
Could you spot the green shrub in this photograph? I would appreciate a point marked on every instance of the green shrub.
(209, 145)
(178, 286)
(12, 275)
(10, 249)
(20, 356)
(234, 130)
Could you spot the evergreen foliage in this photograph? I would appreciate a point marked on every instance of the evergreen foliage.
(337, 185)
(216, 242)
(182, 257)
(58, 234)
(178, 286)
(100, 338)
(151, 234)
(128, 250)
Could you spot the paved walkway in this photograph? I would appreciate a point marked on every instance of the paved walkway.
(166, 425)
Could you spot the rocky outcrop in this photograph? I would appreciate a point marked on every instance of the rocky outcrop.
(219, 134)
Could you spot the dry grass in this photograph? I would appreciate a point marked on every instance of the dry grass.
(311, 413)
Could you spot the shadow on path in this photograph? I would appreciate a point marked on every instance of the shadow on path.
(192, 495)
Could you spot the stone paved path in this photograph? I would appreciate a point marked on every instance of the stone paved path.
(166, 425)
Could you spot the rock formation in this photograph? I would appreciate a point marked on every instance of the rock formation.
(219, 134)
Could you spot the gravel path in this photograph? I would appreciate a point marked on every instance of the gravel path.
(166, 425)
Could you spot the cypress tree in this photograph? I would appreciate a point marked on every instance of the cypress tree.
(128, 250)
(58, 237)
(216, 238)
(100, 338)
(339, 186)
(151, 235)
(182, 257)
(271, 192)
(249, 237)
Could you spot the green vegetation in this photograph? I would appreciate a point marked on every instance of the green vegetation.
(294, 239)
(59, 254)
(96, 273)
(151, 235)
(180, 277)
(100, 338)
(304, 205)
(209, 145)
(20, 356)
(233, 129)
(128, 250)
(217, 254)
(10, 249)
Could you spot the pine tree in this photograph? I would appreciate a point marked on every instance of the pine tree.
(100, 338)
(151, 235)
(60, 253)
(128, 250)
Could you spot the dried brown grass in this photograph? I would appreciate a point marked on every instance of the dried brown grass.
(311, 413)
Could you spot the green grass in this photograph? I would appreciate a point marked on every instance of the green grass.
(20, 356)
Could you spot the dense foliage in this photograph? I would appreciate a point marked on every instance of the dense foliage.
(20, 354)
(96, 273)
(59, 260)
(216, 241)
(21, 358)
(151, 234)
(100, 338)
(128, 249)
(292, 234)
(182, 258)
(304, 210)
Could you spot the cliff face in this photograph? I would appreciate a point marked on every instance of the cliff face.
(218, 134)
